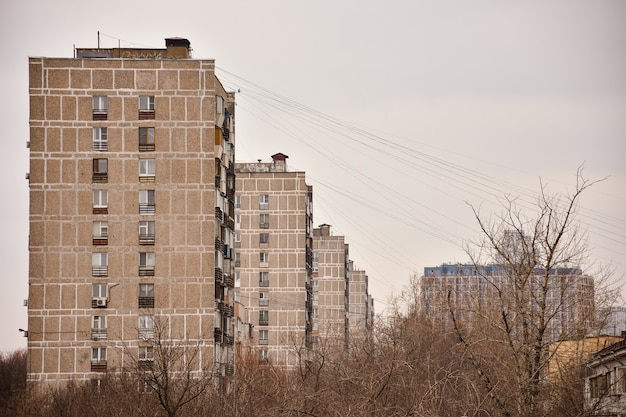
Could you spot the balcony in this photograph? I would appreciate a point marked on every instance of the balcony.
(100, 240)
(219, 245)
(98, 334)
(264, 302)
(101, 145)
(145, 364)
(100, 114)
(264, 322)
(229, 281)
(100, 210)
(100, 177)
(146, 271)
(147, 208)
(146, 147)
(99, 271)
(264, 283)
(146, 302)
(147, 178)
(146, 239)
(98, 366)
(263, 342)
(146, 114)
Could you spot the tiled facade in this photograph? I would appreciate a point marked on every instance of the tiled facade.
(131, 210)
(342, 305)
(274, 212)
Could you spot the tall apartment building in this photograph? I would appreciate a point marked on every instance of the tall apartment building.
(131, 211)
(342, 306)
(274, 212)
(473, 290)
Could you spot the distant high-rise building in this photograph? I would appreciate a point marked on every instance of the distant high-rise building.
(274, 214)
(131, 211)
(342, 306)
(471, 291)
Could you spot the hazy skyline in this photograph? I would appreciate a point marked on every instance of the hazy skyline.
(400, 113)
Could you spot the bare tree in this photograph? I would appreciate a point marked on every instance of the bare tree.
(177, 372)
(537, 261)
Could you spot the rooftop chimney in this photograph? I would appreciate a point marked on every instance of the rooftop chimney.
(178, 48)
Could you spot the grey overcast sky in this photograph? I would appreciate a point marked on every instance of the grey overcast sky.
(400, 112)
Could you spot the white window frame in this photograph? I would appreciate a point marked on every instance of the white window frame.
(99, 259)
(99, 322)
(146, 103)
(100, 198)
(146, 290)
(100, 104)
(145, 322)
(264, 257)
(146, 354)
(99, 290)
(146, 227)
(147, 167)
(264, 202)
(264, 221)
(146, 259)
(264, 336)
(98, 354)
(100, 139)
(100, 229)
(264, 238)
(147, 196)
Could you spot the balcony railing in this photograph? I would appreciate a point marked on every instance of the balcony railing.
(264, 283)
(100, 210)
(264, 302)
(100, 271)
(100, 145)
(146, 302)
(100, 240)
(263, 342)
(100, 177)
(146, 271)
(100, 114)
(146, 178)
(99, 333)
(146, 239)
(145, 364)
(146, 114)
(146, 147)
(98, 366)
(265, 322)
(147, 208)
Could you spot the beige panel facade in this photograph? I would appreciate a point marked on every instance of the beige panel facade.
(132, 192)
(273, 238)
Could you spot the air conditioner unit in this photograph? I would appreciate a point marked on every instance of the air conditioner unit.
(101, 302)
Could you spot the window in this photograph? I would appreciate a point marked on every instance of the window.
(146, 107)
(98, 327)
(146, 202)
(99, 290)
(100, 201)
(264, 202)
(264, 280)
(263, 337)
(264, 257)
(100, 107)
(315, 283)
(146, 103)
(100, 139)
(264, 221)
(146, 327)
(237, 279)
(264, 238)
(264, 298)
(99, 264)
(146, 264)
(264, 317)
(146, 139)
(100, 233)
(147, 170)
(238, 201)
(146, 232)
(100, 170)
(99, 356)
(146, 295)
(237, 259)
(145, 357)
(98, 359)
(263, 355)
(599, 385)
